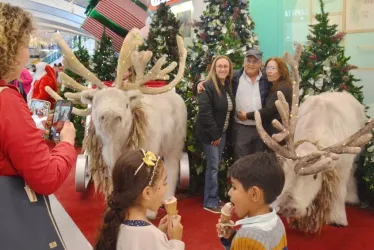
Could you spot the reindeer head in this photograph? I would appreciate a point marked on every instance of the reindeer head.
(302, 161)
(116, 110)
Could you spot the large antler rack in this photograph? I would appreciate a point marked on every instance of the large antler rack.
(71, 62)
(129, 56)
(316, 161)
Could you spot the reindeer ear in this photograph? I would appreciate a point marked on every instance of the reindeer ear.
(135, 97)
(87, 96)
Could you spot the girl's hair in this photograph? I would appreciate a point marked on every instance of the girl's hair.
(213, 75)
(130, 176)
(284, 74)
(16, 27)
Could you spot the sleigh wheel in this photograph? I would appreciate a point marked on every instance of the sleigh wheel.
(184, 173)
(82, 175)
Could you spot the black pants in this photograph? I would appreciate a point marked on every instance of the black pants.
(246, 141)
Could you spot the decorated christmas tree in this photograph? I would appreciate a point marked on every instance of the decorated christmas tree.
(162, 36)
(104, 61)
(323, 65)
(83, 56)
(225, 28)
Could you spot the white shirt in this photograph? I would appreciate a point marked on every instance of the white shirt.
(248, 97)
(145, 238)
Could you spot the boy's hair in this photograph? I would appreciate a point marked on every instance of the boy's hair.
(261, 170)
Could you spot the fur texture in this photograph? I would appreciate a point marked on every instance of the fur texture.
(313, 200)
(128, 119)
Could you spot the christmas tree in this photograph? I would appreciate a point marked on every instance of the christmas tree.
(162, 37)
(323, 65)
(104, 61)
(83, 56)
(225, 28)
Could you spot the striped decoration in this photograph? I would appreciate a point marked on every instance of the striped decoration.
(125, 14)
(96, 29)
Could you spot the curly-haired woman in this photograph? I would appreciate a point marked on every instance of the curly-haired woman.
(24, 155)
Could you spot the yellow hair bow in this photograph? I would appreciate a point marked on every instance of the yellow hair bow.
(150, 159)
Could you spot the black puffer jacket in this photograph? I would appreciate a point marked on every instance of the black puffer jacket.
(212, 112)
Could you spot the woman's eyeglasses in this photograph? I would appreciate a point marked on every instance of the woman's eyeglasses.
(270, 68)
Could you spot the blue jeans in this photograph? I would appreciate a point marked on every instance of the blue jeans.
(213, 158)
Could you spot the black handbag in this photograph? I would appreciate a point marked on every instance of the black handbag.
(25, 224)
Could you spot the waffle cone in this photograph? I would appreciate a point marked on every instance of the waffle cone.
(171, 208)
(225, 218)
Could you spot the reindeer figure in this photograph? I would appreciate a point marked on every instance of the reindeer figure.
(130, 115)
(322, 139)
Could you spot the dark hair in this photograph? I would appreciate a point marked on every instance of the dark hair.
(60, 64)
(261, 170)
(126, 189)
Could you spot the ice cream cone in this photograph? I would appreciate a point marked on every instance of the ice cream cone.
(226, 212)
(225, 219)
(171, 206)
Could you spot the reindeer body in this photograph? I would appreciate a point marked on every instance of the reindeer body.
(322, 138)
(164, 132)
(323, 121)
(131, 115)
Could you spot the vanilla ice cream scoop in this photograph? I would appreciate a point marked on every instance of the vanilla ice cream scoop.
(227, 209)
(170, 205)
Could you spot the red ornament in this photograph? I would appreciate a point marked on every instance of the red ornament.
(313, 57)
(343, 87)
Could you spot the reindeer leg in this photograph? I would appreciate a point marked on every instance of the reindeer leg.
(352, 196)
(172, 166)
(338, 216)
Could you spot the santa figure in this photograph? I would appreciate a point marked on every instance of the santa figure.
(43, 77)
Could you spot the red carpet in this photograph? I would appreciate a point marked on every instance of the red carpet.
(199, 225)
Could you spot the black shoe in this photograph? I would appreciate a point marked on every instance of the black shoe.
(216, 210)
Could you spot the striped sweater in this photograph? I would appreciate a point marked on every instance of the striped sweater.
(263, 232)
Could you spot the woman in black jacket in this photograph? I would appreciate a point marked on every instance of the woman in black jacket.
(216, 105)
(278, 74)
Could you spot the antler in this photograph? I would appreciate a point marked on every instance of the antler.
(71, 61)
(71, 83)
(140, 60)
(287, 127)
(79, 112)
(131, 42)
(316, 161)
(163, 74)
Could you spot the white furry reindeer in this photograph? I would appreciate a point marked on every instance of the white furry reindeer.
(322, 138)
(130, 115)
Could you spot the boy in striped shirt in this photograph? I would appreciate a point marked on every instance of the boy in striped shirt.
(257, 180)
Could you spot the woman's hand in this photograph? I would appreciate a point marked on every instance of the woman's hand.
(216, 143)
(68, 133)
(200, 87)
(242, 115)
(163, 225)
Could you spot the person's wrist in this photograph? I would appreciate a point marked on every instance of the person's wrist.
(71, 142)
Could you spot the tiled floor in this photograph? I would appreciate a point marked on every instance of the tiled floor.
(72, 236)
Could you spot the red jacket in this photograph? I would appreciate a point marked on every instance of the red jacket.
(24, 152)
